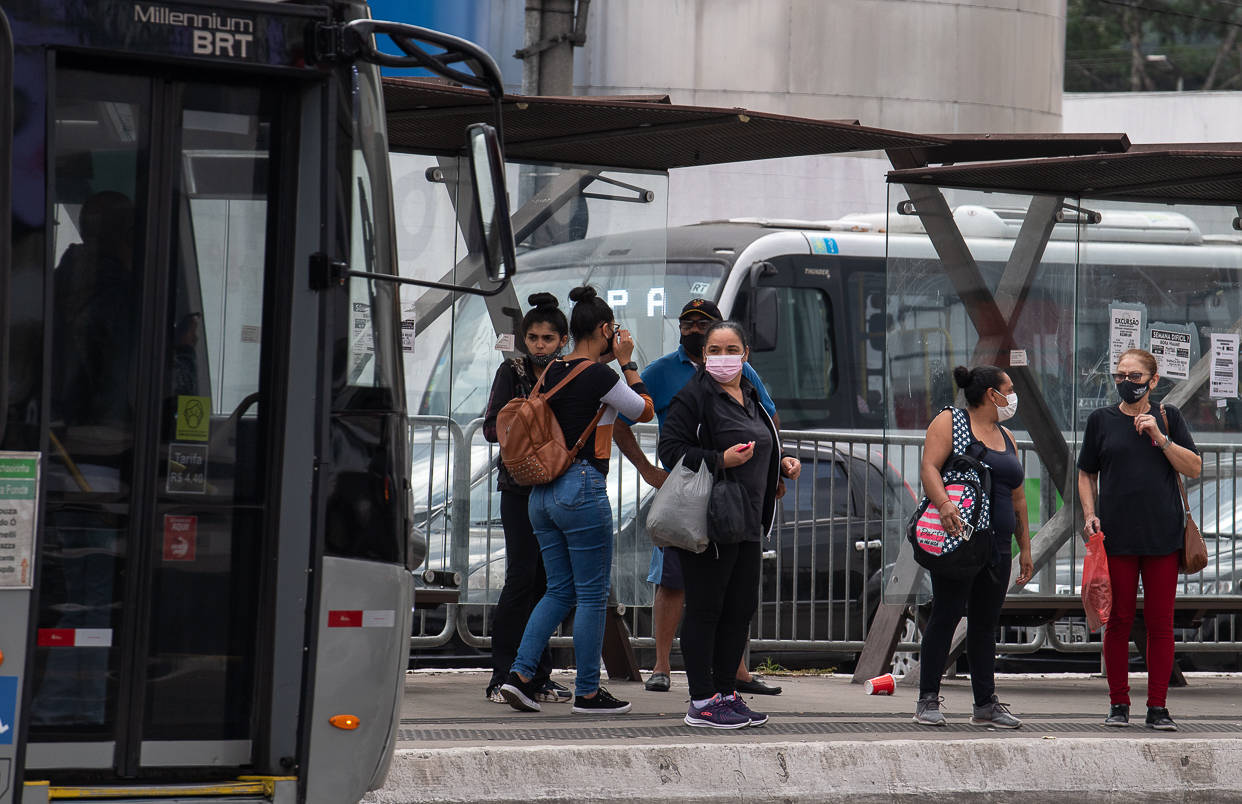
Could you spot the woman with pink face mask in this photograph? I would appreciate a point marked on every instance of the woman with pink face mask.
(717, 419)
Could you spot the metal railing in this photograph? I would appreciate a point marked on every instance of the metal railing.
(823, 569)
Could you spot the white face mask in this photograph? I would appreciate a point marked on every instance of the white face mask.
(1010, 409)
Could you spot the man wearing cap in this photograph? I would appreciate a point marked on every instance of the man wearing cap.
(664, 377)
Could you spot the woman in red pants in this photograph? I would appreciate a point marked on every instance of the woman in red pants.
(1134, 458)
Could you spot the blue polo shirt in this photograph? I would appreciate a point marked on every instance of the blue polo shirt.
(667, 375)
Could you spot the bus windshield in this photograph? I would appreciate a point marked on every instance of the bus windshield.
(645, 297)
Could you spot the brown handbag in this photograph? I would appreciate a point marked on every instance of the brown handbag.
(1194, 556)
(532, 446)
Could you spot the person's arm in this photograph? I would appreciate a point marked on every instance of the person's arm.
(630, 400)
(503, 389)
(937, 447)
(1089, 473)
(1185, 459)
(679, 438)
(629, 396)
(624, 438)
(1022, 533)
(1086, 497)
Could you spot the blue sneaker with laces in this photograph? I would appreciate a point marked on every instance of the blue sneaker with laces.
(739, 706)
(716, 714)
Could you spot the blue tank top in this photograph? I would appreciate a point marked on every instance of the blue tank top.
(1007, 475)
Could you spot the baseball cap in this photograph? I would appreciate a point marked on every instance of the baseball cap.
(703, 307)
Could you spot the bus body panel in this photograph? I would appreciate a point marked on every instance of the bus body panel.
(364, 616)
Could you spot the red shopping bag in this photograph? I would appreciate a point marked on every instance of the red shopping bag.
(1097, 591)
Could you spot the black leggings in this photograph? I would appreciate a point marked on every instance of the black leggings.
(722, 593)
(525, 583)
(979, 598)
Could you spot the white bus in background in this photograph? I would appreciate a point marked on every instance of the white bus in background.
(824, 300)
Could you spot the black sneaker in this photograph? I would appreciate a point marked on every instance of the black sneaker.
(601, 703)
(1158, 719)
(521, 694)
(1118, 715)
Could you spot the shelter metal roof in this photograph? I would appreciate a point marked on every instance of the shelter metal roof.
(990, 147)
(1192, 173)
(619, 132)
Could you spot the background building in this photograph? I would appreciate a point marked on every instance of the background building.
(920, 65)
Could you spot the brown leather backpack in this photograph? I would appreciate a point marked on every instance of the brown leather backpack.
(532, 446)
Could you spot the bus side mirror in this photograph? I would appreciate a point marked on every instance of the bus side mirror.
(764, 315)
(493, 229)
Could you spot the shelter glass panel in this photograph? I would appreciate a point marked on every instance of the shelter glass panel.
(972, 282)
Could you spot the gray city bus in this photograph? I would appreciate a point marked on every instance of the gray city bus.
(205, 530)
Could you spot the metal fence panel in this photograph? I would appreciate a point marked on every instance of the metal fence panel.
(824, 563)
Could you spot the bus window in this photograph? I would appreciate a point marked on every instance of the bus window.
(801, 373)
(645, 298)
(373, 314)
(865, 294)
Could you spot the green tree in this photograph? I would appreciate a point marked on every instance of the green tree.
(1137, 45)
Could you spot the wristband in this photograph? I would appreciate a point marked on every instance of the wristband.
(946, 502)
(1165, 445)
(630, 366)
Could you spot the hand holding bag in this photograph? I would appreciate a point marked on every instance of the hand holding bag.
(678, 514)
(1097, 589)
(1194, 555)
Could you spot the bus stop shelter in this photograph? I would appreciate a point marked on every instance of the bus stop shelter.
(589, 137)
(1059, 173)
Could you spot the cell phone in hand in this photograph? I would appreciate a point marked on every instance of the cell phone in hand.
(968, 530)
(746, 446)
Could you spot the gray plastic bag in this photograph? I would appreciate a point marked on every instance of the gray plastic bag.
(678, 514)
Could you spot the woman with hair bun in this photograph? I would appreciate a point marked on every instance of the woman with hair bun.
(545, 332)
(1131, 455)
(990, 399)
(571, 515)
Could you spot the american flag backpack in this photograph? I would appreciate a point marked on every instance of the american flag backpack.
(968, 482)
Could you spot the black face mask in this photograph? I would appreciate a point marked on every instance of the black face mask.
(693, 342)
(1132, 392)
(543, 361)
(608, 347)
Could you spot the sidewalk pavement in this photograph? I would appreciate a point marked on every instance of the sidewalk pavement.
(826, 741)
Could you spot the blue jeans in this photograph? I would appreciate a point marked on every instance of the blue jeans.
(573, 523)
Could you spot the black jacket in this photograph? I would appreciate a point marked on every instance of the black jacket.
(687, 433)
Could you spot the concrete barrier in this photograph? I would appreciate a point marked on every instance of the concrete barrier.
(998, 769)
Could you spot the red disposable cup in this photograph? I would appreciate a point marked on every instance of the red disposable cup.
(880, 685)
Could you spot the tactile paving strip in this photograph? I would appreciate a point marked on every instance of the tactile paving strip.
(777, 727)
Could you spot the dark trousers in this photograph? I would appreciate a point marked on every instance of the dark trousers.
(722, 593)
(979, 599)
(525, 583)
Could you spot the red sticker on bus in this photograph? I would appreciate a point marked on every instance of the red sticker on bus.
(345, 618)
(55, 637)
(180, 537)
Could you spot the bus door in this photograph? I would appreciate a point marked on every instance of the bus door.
(160, 365)
(793, 304)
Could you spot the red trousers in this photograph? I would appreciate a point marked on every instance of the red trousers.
(1159, 588)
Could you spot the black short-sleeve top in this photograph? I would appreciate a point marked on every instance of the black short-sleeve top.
(1139, 505)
